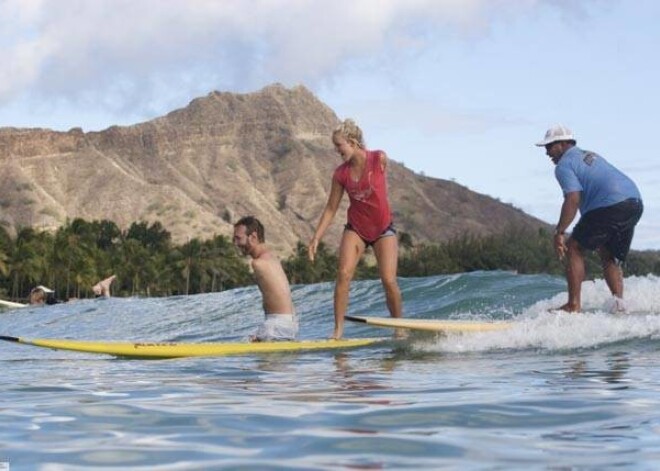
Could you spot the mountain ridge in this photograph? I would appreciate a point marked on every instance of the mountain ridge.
(199, 168)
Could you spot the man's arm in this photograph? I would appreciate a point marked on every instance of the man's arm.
(568, 211)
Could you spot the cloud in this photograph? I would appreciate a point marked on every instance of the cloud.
(137, 53)
(430, 117)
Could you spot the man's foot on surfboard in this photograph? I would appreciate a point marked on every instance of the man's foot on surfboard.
(616, 305)
(568, 307)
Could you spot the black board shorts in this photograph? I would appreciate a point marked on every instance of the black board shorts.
(611, 227)
(389, 231)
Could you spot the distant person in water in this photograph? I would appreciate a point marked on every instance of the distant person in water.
(363, 175)
(610, 206)
(102, 288)
(40, 295)
(281, 322)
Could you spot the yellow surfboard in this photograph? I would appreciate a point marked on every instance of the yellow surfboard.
(179, 350)
(431, 325)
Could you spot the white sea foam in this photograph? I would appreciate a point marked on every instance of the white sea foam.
(539, 327)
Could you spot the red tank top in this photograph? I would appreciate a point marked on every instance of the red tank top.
(369, 212)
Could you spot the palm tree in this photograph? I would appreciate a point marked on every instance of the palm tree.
(27, 261)
(4, 268)
(134, 264)
(6, 246)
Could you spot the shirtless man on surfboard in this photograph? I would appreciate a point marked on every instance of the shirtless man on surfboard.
(281, 322)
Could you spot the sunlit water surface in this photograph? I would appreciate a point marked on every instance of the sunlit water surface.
(556, 391)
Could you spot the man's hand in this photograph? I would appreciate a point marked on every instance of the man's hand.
(560, 245)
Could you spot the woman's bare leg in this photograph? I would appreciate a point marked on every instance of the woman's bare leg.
(350, 251)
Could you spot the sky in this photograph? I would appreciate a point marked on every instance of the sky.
(455, 89)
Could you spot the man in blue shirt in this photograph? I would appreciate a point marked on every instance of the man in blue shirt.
(610, 206)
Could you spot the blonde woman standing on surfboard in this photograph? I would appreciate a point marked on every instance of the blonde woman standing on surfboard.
(363, 176)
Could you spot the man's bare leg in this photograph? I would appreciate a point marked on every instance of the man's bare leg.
(612, 272)
(613, 275)
(574, 276)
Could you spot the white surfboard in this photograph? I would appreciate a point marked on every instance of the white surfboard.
(11, 304)
(431, 325)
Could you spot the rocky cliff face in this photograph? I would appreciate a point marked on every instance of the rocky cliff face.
(198, 169)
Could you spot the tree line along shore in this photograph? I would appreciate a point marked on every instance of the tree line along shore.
(147, 262)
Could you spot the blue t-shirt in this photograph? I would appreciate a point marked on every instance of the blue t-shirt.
(600, 182)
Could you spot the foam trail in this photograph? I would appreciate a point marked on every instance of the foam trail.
(540, 328)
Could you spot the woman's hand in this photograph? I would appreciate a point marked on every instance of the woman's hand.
(311, 249)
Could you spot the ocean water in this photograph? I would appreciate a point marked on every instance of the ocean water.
(556, 391)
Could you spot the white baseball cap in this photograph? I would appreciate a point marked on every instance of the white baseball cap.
(44, 289)
(556, 133)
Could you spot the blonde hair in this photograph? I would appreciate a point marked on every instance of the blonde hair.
(350, 131)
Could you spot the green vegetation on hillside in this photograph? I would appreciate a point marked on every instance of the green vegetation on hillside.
(148, 263)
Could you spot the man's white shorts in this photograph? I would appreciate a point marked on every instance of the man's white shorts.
(278, 327)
